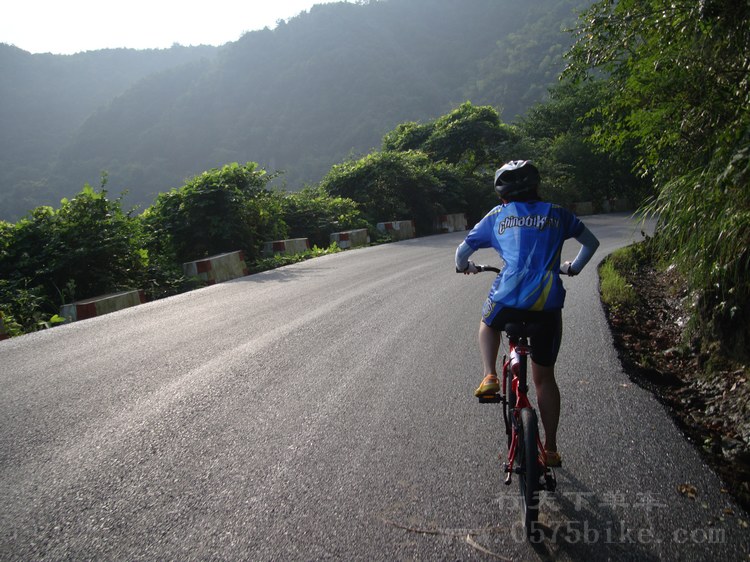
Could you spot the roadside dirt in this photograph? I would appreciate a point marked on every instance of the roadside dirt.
(712, 408)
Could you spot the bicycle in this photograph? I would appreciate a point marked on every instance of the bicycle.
(526, 454)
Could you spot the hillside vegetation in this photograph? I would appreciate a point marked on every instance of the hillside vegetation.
(678, 98)
(300, 98)
(44, 101)
(90, 245)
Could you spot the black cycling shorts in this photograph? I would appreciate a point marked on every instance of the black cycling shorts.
(545, 345)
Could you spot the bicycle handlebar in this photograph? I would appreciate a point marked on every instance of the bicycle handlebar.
(564, 269)
(482, 268)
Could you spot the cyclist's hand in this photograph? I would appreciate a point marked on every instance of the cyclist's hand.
(471, 268)
(565, 269)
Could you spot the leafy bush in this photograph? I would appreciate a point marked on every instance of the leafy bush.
(95, 245)
(218, 211)
(88, 247)
(314, 214)
(399, 186)
(164, 279)
(25, 309)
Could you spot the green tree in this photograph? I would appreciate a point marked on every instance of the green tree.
(469, 136)
(100, 243)
(89, 243)
(218, 211)
(677, 74)
(557, 136)
(88, 247)
(679, 92)
(465, 146)
(314, 214)
(398, 186)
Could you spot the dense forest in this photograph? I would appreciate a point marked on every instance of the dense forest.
(300, 98)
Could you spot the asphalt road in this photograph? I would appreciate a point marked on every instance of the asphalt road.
(325, 411)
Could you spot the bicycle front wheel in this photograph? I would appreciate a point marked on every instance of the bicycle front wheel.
(529, 473)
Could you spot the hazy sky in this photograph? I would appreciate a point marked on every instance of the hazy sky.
(71, 26)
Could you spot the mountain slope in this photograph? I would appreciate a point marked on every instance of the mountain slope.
(302, 97)
(44, 100)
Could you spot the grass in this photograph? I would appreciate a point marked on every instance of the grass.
(615, 290)
(280, 260)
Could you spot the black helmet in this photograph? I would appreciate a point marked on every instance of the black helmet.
(516, 179)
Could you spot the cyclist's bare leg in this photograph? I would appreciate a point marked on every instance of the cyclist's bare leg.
(489, 345)
(548, 398)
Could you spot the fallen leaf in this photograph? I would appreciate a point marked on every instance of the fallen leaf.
(688, 490)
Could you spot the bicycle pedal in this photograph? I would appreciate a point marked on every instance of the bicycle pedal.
(487, 398)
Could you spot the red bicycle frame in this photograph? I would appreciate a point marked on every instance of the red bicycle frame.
(520, 388)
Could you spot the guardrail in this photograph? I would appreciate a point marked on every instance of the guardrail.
(350, 238)
(451, 223)
(218, 268)
(231, 265)
(291, 246)
(398, 230)
(97, 306)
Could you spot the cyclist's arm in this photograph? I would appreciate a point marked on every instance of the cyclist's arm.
(589, 244)
(479, 237)
(463, 253)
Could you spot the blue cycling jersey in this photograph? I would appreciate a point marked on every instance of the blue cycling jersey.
(529, 237)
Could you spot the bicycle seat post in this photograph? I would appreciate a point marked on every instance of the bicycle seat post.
(522, 347)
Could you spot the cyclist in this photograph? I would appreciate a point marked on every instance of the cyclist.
(528, 234)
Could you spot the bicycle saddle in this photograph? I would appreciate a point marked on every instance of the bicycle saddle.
(522, 329)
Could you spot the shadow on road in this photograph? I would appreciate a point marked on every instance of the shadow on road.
(577, 523)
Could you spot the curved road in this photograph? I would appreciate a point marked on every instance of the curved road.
(324, 411)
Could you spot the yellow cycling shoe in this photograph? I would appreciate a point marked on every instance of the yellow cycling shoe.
(554, 459)
(490, 385)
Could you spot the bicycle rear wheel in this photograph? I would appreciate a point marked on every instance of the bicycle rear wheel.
(529, 473)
